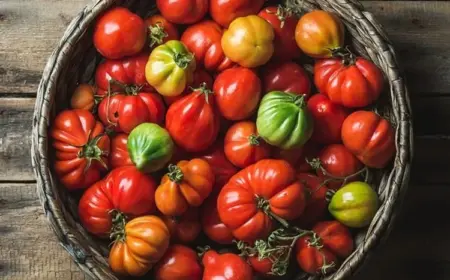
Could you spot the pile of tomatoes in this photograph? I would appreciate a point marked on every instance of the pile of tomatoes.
(202, 132)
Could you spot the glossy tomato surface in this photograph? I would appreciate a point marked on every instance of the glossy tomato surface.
(161, 30)
(225, 267)
(212, 225)
(183, 11)
(119, 155)
(180, 263)
(184, 228)
(84, 97)
(316, 207)
(287, 77)
(225, 11)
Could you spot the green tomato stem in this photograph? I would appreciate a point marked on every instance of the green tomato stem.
(175, 174)
(157, 34)
(119, 220)
(264, 205)
(254, 140)
(183, 60)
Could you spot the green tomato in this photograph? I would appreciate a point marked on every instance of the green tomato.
(150, 147)
(354, 205)
(284, 120)
(170, 68)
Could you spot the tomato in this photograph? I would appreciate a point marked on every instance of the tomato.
(150, 147)
(200, 77)
(225, 267)
(351, 82)
(193, 121)
(284, 23)
(370, 138)
(262, 266)
(320, 34)
(224, 12)
(138, 245)
(287, 77)
(284, 120)
(329, 117)
(186, 185)
(184, 228)
(310, 151)
(160, 30)
(237, 92)
(316, 207)
(204, 41)
(170, 68)
(212, 225)
(249, 41)
(125, 191)
(354, 205)
(119, 33)
(119, 153)
(183, 11)
(292, 155)
(84, 97)
(265, 190)
(81, 148)
(180, 263)
(243, 145)
(318, 254)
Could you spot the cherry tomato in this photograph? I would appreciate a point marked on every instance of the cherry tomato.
(183, 11)
(212, 225)
(184, 228)
(224, 12)
(119, 152)
(160, 30)
(287, 77)
(317, 204)
(84, 98)
(225, 267)
(180, 263)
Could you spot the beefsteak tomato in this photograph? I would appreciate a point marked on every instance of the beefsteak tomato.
(225, 267)
(119, 155)
(212, 225)
(160, 30)
(183, 11)
(224, 12)
(184, 228)
(180, 263)
(287, 77)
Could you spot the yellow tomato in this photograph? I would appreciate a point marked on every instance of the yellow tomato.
(249, 41)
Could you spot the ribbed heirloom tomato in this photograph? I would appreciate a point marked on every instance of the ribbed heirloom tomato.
(119, 155)
(225, 267)
(287, 77)
(184, 228)
(212, 225)
(161, 30)
(180, 263)
(225, 11)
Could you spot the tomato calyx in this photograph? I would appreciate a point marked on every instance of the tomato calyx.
(119, 221)
(175, 174)
(156, 34)
(282, 14)
(183, 60)
(316, 242)
(299, 100)
(264, 205)
(91, 151)
(344, 53)
(203, 89)
(201, 250)
(254, 140)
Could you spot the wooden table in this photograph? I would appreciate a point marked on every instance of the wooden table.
(419, 244)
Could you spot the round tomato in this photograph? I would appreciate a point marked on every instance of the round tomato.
(317, 204)
(243, 145)
(370, 138)
(119, 152)
(287, 77)
(180, 263)
(186, 185)
(320, 34)
(225, 266)
(249, 41)
(224, 12)
(81, 148)
(237, 92)
(119, 33)
(351, 82)
(254, 196)
(160, 30)
(284, 23)
(84, 97)
(212, 225)
(138, 245)
(200, 77)
(125, 191)
(183, 11)
(184, 228)
(261, 266)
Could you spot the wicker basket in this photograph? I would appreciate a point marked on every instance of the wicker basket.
(75, 59)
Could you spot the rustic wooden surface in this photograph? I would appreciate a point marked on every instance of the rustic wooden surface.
(418, 245)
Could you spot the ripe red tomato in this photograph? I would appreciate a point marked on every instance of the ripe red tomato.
(317, 204)
(262, 267)
(200, 77)
(204, 41)
(225, 267)
(237, 92)
(310, 151)
(288, 77)
(243, 146)
(183, 11)
(328, 118)
(225, 11)
(119, 33)
(125, 191)
(265, 190)
(354, 83)
(370, 137)
(180, 263)
(284, 24)
(212, 225)
(160, 30)
(119, 152)
(184, 228)
(81, 148)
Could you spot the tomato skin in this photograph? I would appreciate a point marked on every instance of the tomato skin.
(119, 155)
(212, 225)
(179, 262)
(263, 266)
(81, 148)
(125, 189)
(204, 41)
(268, 181)
(317, 204)
(183, 11)
(355, 84)
(161, 30)
(237, 92)
(310, 151)
(225, 266)
(370, 138)
(224, 12)
(119, 33)
(200, 76)
(287, 77)
(184, 228)
(83, 97)
(312, 260)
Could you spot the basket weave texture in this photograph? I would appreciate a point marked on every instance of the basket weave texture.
(74, 61)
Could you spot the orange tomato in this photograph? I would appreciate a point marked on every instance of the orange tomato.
(83, 97)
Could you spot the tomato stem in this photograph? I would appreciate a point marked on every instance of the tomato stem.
(254, 140)
(264, 205)
(203, 89)
(183, 60)
(157, 34)
(91, 151)
(175, 174)
(348, 58)
(299, 100)
(119, 220)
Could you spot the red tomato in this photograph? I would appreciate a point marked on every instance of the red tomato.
(265, 190)
(288, 77)
(204, 41)
(237, 92)
(184, 228)
(200, 77)
(180, 263)
(225, 11)
(284, 24)
(316, 207)
(160, 30)
(81, 148)
(328, 118)
(292, 156)
(263, 266)
(125, 191)
(119, 33)
(370, 137)
(353, 84)
(225, 267)
(193, 121)
(212, 225)
(119, 152)
(183, 11)
(310, 151)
